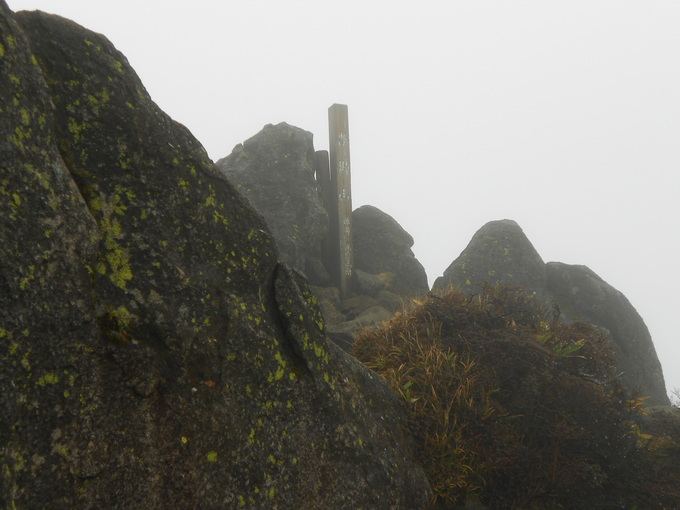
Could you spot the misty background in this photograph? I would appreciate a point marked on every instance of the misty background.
(563, 116)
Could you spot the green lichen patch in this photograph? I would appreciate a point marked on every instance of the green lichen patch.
(46, 379)
(117, 256)
(171, 337)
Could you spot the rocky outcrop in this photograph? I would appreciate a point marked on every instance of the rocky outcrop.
(153, 352)
(501, 253)
(498, 252)
(581, 293)
(386, 276)
(275, 170)
(382, 246)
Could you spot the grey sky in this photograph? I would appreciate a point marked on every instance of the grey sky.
(564, 116)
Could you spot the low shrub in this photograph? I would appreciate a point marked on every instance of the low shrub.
(517, 410)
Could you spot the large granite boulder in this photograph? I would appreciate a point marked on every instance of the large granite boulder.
(275, 170)
(153, 352)
(381, 246)
(499, 252)
(583, 294)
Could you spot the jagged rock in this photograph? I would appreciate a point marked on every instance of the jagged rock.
(382, 245)
(498, 252)
(153, 353)
(275, 170)
(582, 293)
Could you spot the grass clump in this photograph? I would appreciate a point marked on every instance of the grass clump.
(517, 410)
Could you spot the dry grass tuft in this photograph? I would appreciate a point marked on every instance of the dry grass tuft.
(513, 408)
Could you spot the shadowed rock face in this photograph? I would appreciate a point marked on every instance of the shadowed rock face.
(275, 170)
(500, 252)
(153, 353)
(581, 293)
(381, 245)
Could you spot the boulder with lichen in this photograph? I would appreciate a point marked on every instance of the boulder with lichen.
(153, 351)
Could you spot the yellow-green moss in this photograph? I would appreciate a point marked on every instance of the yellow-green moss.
(48, 378)
(20, 135)
(123, 317)
(28, 278)
(212, 456)
(76, 129)
(25, 116)
(96, 204)
(116, 256)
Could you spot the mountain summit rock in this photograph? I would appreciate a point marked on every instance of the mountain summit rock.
(153, 351)
(501, 253)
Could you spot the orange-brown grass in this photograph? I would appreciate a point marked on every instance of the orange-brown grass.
(513, 408)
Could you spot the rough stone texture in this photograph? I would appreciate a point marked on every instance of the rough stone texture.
(498, 252)
(153, 353)
(382, 245)
(581, 293)
(275, 170)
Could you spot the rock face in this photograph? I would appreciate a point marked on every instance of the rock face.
(153, 352)
(381, 246)
(275, 170)
(500, 252)
(582, 293)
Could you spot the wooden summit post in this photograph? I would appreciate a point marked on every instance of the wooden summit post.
(338, 130)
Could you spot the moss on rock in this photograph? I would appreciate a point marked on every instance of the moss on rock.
(153, 351)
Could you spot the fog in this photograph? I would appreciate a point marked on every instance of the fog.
(564, 116)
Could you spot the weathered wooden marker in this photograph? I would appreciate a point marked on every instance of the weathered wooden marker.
(340, 215)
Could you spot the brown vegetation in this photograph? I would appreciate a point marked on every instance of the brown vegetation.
(518, 410)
